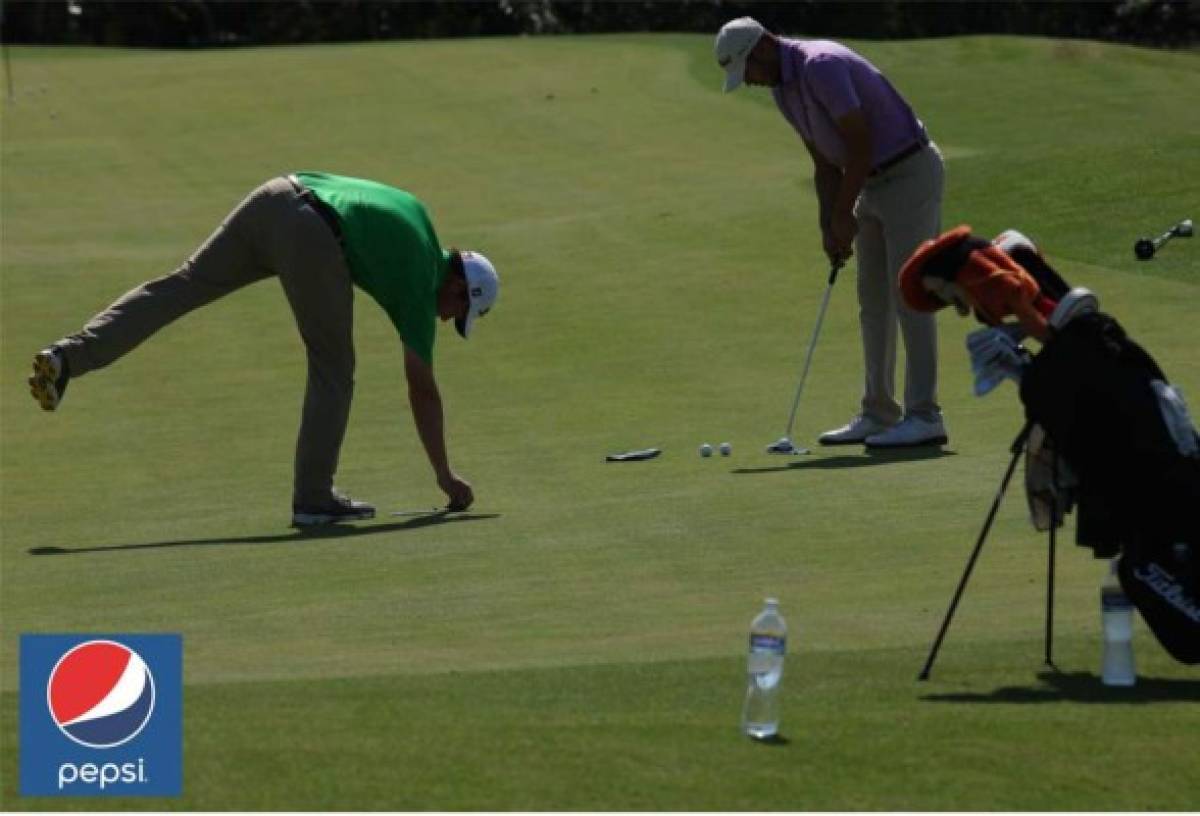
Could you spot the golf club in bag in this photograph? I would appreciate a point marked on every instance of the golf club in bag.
(783, 446)
(1092, 381)
(1096, 402)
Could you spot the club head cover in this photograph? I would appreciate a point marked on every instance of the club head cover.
(1079, 301)
(995, 285)
(1024, 251)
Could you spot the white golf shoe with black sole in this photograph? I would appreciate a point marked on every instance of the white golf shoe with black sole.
(337, 510)
(855, 432)
(910, 432)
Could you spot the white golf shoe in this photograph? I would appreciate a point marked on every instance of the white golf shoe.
(910, 432)
(855, 432)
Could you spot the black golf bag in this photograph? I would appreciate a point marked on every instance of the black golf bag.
(1110, 413)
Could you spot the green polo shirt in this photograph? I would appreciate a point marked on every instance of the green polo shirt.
(392, 251)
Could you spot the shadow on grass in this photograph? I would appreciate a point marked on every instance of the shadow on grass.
(1082, 687)
(306, 534)
(870, 457)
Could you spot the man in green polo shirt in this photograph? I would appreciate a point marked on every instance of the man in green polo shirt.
(319, 234)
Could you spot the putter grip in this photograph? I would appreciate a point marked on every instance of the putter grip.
(833, 272)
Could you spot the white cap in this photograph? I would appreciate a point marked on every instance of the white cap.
(483, 284)
(735, 41)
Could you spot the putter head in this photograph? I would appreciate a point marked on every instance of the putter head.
(784, 447)
(1184, 228)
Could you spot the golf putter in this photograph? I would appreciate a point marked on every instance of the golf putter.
(784, 446)
(432, 511)
(633, 456)
(1145, 248)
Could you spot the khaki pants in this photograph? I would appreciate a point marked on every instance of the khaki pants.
(896, 211)
(272, 233)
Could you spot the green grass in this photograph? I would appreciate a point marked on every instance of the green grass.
(576, 643)
(658, 735)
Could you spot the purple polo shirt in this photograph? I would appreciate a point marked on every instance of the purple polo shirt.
(822, 81)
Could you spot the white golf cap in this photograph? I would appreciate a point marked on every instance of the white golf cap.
(483, 284)
(735, 41)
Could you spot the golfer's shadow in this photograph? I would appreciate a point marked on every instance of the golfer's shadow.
(870, 457)
(298, 535)
(1081, 687)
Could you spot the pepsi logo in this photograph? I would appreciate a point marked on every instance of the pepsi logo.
(100, 694)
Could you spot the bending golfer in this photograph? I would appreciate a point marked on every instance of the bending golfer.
(879, 187)
(318, 234)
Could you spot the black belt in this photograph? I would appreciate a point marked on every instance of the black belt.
(328, 214)
(915, 147)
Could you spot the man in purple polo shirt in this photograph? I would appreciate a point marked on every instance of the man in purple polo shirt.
(878, 179)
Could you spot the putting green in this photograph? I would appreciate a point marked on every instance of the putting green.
(576, 642)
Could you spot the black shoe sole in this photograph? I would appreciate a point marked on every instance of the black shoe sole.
(936, 441)
(321, 519)
(44, 392)
(44, 386)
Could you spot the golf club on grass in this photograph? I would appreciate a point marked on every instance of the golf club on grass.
(432, 511)
(783, 446)
(1145, 248)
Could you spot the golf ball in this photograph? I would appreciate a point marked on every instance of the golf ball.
(706, 449)
(726, 449)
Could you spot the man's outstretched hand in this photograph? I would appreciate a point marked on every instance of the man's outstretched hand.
(458, 491)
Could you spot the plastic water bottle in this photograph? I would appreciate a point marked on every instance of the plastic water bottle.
(1116, 611)
(768, 642)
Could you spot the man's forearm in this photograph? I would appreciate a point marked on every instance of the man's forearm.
(857, 137)
(851, 182)
(427, 414)
(828, 181)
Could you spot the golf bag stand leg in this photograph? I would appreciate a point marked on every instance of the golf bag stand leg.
(1018, 446)
(1050, 567)
(1050, 601)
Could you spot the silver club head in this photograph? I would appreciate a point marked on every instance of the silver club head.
(784, 447)
(1184, 228)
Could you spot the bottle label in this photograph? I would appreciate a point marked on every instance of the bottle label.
(768, 643)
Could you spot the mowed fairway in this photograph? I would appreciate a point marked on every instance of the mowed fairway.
(577, 640)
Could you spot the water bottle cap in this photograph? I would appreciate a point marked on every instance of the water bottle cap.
(772, 602)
